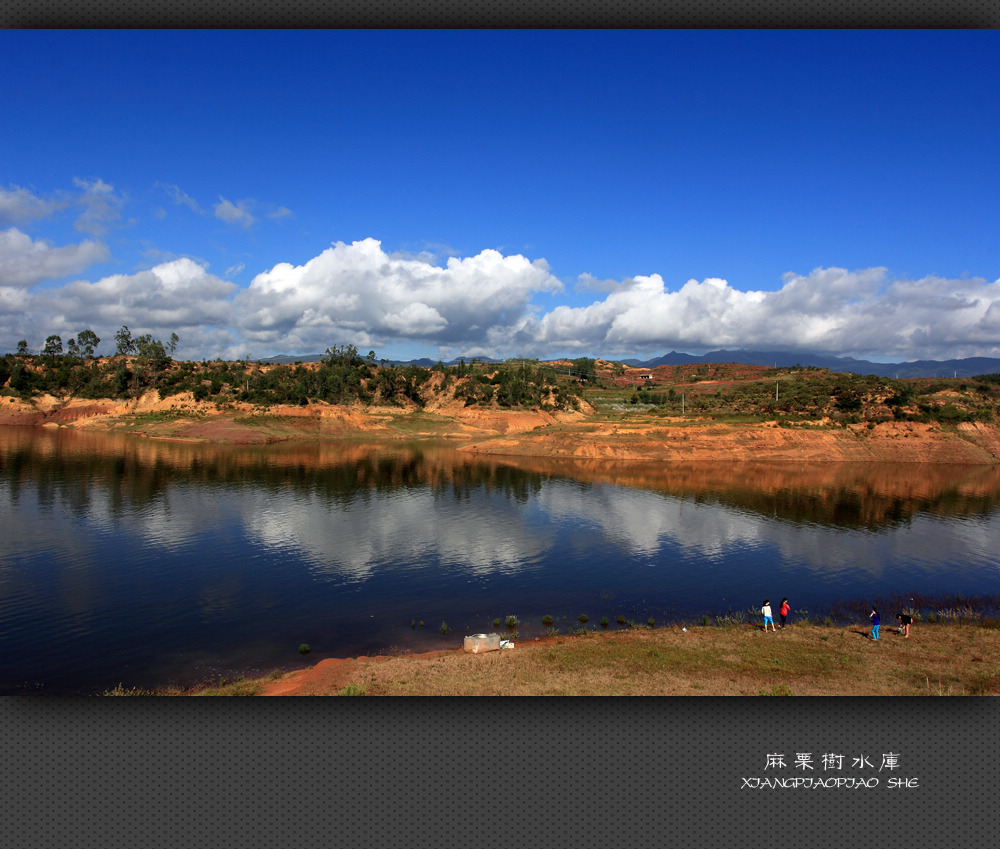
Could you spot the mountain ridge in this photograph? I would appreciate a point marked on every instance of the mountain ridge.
(965, 367)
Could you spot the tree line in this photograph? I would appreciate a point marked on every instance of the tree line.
(343, 376)
(84, 345)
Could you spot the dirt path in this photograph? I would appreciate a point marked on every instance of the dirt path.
(333, 674)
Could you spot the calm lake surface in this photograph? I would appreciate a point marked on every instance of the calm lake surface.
(141, 562)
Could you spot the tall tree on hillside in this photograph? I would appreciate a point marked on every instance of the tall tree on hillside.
(87, 341)
(53, 346)
(148, 348)
(123, 341)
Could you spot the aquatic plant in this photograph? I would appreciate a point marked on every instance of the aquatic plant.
(304, 648)
(546, 621)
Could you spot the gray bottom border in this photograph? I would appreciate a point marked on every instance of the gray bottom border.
(496, 772)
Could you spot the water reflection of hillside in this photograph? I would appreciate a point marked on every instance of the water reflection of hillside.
(869, 496)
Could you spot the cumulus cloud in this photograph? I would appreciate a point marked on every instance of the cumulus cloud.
(169, 297)
(859, 313)
(25, 261)
(486, 305)
(235, 213)
(19, 205)
(359, 294)
(179, 296)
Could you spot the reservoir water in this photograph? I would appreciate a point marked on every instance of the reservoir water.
(140, 562)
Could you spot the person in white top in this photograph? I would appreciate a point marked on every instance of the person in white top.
(766, 610)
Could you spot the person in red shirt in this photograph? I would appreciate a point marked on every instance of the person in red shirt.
(783, 611)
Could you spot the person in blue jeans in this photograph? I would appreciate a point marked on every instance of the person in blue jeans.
(875, 622)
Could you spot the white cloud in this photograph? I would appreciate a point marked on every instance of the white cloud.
(589, 283)
(169, 297)
(102, 206)
(477, 305)
(235, 213)
(358, 294)
(179, 197)
(18, 205)
(831, 309)
(25, 261)
(179, 296)
(482, 305)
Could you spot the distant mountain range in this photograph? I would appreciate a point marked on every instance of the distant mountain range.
(284, 359)
(969, 367)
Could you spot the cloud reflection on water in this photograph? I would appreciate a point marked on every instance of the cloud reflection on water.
(349, 516)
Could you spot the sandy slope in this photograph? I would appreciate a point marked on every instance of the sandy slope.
(520, 433)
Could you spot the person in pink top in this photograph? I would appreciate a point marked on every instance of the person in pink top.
(783, 611)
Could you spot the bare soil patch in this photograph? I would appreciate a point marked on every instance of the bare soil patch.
(523, 433)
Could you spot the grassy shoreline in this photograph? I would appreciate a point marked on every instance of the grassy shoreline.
(947, 658)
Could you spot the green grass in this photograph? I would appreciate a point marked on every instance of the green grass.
(777, 690)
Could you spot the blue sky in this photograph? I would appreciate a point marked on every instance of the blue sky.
(501, 193)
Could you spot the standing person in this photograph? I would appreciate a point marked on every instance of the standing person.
(766, 610)
(783, 611)
(875, 622)
(905, 621)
